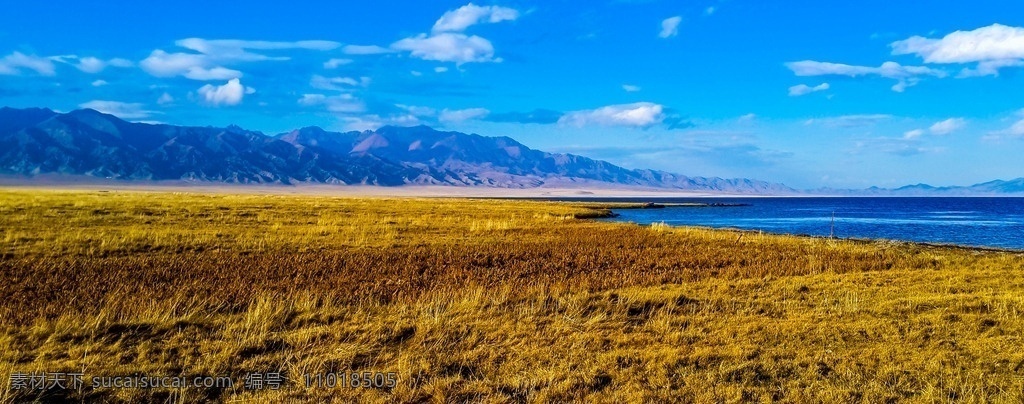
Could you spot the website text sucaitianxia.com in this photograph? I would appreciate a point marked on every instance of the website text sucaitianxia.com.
(42, 381)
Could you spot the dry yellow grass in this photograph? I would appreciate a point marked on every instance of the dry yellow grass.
(489, 301)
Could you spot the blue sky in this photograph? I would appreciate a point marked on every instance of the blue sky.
(812, 94)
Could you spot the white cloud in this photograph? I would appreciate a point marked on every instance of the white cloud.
(165, 99)
(235, 49)
(913, 134)
(940, 128)
(447, 43)
(440, 69)
(338, 83)
(211, 56)
(709, 11)
(803, 89)
(163, 64)
(1015, 130)
(16, 62)
(334, 63)
(342, 103)
(992, 47)
(99, 83)
(640, 115)
(630, 88)
(192, 66)
(906, 75)
(417, 110)
(747, 118)
(904, 146)
(989, 68)
(463, 17)
(123, 110)
(364, 50)
(459, 115)
(415, 73)
(948, 126)
(91, 64)
(374, 122)
(216, 73)
(851, 121)
(312, 99)
(231, 93)
(670, 27)
(902, 85)
(448, 47)
(888, 69)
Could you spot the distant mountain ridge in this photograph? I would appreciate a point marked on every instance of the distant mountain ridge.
(990, 188)
(86, 142)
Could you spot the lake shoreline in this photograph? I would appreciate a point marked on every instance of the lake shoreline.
(976, 223)
(863, 240)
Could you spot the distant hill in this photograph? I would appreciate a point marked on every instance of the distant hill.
(996, 187)
(88, 143)
(1013, 187)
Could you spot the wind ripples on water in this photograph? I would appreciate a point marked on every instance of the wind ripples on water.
(989, 222)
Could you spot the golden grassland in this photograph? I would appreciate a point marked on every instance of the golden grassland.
(489, 301)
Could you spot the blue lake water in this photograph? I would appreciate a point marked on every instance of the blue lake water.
(989, 222)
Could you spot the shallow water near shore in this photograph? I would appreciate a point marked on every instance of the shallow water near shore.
(982, 222)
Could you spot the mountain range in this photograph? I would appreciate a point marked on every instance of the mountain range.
(88, 143)
(990, 188)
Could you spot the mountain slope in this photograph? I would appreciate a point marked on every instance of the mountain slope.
(86, 142)
(504, 162)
